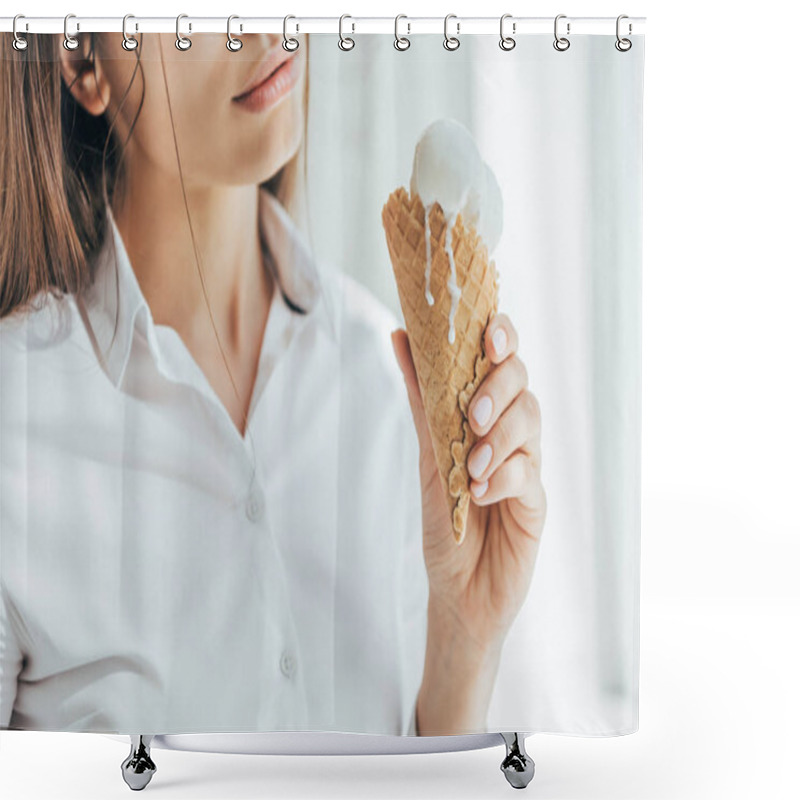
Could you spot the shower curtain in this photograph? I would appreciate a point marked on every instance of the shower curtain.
(320, 384)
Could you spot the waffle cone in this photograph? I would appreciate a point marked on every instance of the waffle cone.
(448, 374)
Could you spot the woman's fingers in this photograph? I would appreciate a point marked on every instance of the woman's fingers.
(518, 428)
(500, 339)
(516, 477)
(499, 388)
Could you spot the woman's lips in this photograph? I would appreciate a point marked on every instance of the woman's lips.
(271, 89)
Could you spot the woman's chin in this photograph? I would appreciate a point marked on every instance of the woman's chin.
(257, 173)
(269, 148)
(260, 170)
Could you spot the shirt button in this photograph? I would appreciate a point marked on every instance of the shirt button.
(254, 508)
(288, 664)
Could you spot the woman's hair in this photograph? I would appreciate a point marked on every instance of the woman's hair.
(59, 167)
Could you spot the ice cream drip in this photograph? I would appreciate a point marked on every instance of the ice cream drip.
(448, 169)
(428, 295)
(452, 284)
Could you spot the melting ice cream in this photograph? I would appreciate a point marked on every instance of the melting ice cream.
(448, 169)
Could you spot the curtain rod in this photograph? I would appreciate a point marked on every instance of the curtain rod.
(407, 26)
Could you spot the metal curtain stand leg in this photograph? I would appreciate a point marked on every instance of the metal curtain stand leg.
(138, 768)
(517, 766)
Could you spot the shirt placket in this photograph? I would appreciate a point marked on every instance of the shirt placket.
(281, 690)
(284, 703)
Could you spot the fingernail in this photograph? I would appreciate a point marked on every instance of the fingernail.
(499, 340)
(481, 460)
(482, 410)
(479, 489)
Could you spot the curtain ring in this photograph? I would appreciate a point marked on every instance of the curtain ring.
(451, 42)
(181, 42)
(561, 43)
(507, 42)
(233, 44)
(20, 42)
(70, 42)
(401, 42)
(128, 42)
(345, 42)
(289, 42)
(623, 45)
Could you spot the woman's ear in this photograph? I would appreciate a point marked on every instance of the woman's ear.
(84, 78)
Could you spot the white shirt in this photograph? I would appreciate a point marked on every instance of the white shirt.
(152, 580)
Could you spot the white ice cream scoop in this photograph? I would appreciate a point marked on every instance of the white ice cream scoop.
(449, 169)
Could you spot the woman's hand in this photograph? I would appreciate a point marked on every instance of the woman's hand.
(477, 588)
(484, 580)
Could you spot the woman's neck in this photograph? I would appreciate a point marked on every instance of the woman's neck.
(164, 252)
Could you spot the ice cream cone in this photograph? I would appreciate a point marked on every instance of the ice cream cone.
(448, 374)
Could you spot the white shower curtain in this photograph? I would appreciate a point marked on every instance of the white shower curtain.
(160, 542)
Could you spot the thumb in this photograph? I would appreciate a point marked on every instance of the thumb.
(402, 352)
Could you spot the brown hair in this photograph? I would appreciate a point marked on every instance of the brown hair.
(59, 165)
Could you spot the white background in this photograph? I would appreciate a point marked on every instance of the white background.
(720, 607)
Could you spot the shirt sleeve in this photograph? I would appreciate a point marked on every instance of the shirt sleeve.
(412, 728)
(414, 579)
(10, 664)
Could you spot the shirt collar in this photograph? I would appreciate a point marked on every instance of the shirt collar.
(299, 276)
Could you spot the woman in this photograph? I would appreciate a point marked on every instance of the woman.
(207, 517)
